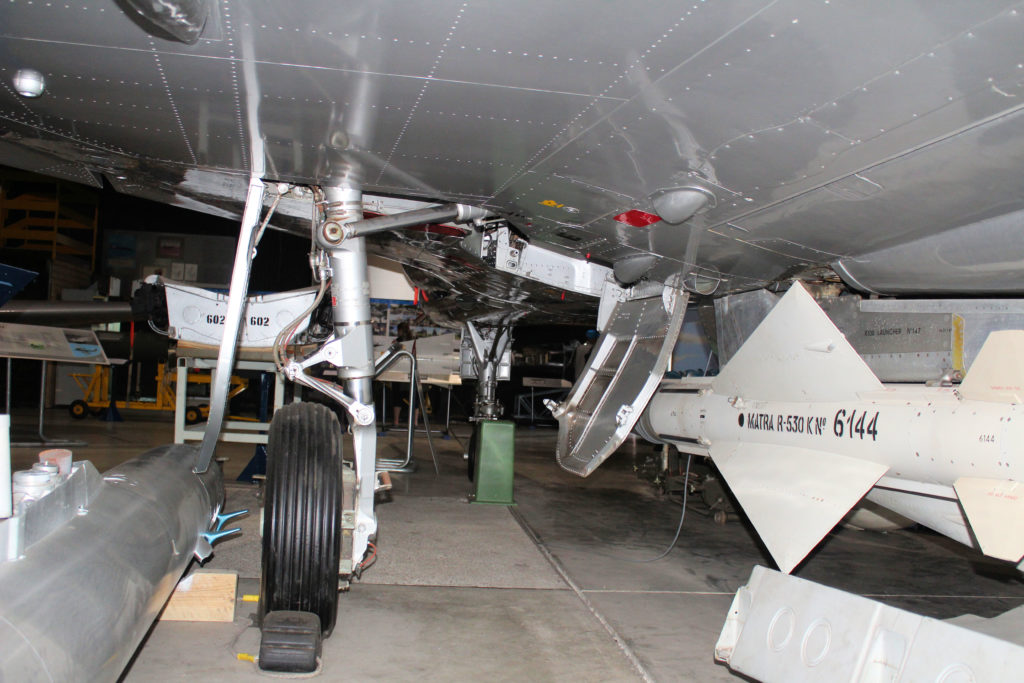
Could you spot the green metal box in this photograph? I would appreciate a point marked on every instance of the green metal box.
(495, 455)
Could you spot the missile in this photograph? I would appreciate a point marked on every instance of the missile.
(802, 430)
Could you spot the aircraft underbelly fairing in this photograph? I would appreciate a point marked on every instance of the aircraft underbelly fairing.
(822, 133)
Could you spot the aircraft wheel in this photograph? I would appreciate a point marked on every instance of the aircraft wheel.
(302, 513)
(192, 415)
(79, 409)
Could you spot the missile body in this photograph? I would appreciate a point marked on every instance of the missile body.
(926, 435)
(802, 430)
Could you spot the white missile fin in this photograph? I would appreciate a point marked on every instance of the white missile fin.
(997, 373)
(796, 354)
(995, 511)
(793, 496)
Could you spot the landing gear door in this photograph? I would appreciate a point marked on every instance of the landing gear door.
(624, 371)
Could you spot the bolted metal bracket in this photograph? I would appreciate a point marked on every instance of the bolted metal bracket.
(362, 413)
(348, 519)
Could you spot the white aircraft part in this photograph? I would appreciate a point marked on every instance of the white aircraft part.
(922, 438)
(437, 360)
(626, 365)
(939, 514)
(199, 315)
(781, 628)
(1007, 626)
(995, 510)
(796, 354)
(570, 273)
(793, 496)
(926, 437)
(997, 374)
(387, 280)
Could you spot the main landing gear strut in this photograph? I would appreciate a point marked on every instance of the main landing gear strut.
(308, 518)
(319, 517)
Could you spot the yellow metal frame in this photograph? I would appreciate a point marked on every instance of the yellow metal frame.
(95, 388)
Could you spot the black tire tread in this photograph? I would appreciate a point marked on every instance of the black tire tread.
(302, 517)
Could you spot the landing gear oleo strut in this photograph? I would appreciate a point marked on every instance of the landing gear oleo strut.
(319, 517)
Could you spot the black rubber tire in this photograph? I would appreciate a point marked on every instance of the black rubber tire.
(79, 409)
(192, 415)
(302, 513)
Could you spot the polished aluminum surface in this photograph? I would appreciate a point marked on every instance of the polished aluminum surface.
(350, 307)
(79, 600)
(56, 508)
(221, 382)
(827, 132)
(622, 375)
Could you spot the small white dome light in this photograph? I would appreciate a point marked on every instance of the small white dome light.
(29, 83)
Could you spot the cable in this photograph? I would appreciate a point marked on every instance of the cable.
(371, 559)
(266, 220)
(679, 528)
(315, 260)
(289, 329)
(686, 491)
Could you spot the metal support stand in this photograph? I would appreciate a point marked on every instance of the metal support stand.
(415, 393)
(112, 414)
(233, 431)
(43, 439)
(448, 417)
(495, 452)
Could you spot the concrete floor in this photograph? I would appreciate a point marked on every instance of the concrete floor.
(549, 590)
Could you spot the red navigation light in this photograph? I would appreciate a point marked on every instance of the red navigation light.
(637, 218)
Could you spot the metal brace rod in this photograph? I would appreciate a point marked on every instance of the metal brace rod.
(43, 439)
(360, 412)
(232, 322)
(459, 213)
(380, 365)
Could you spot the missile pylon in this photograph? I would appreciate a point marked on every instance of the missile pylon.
(802, 430)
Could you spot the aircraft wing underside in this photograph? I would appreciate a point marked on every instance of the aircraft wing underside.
(884, 142)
